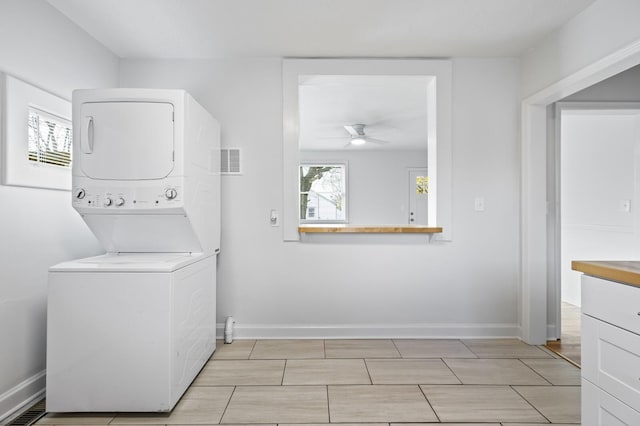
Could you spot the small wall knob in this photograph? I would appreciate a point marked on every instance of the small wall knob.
(170, 193)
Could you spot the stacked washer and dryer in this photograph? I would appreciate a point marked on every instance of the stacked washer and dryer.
(129, 330)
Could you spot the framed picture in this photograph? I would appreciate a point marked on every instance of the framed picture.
(36, 136)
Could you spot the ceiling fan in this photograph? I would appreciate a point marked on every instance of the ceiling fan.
(359, 137)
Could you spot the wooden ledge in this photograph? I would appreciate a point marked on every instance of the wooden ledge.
(369, 229)
(627, 272)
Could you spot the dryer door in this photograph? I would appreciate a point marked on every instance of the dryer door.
(126, 140)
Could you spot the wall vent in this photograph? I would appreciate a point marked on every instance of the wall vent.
(230, 161)
(31, 415)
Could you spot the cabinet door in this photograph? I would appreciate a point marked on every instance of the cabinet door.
(611, 360)
(126, 140)
(601, 409)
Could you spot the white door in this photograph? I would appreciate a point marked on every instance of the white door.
(126, 140)
(418, 196)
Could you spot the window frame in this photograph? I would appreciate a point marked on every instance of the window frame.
(345, 202)
(17, 97)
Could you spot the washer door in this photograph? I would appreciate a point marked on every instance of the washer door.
(126, 140)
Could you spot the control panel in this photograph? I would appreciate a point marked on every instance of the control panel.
(129, 198)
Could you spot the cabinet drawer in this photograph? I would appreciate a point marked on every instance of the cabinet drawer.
(615, 303)
(601, 409)
(611, 360)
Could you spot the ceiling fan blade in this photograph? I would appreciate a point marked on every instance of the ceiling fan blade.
(378, 141)
(355, 129)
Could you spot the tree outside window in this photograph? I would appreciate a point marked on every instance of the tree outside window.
(323, 192)
(49, 139)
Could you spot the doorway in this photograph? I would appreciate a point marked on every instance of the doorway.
(418, 196)
(597, 146)
(538, 302)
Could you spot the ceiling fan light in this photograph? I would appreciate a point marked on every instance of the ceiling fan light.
(358, 141)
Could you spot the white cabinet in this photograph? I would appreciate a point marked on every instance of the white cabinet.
(610, 353)
(600, 408)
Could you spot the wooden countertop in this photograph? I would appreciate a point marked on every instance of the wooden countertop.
(369, 229)
(627, 272)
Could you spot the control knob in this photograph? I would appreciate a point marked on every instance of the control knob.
(80, 193)
(170, 193)
(107, 202)
(120, 202)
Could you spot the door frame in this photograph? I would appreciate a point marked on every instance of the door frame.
(555, 235)
(536, 277)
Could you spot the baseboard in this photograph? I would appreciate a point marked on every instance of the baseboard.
(22, 396)
(401, 331)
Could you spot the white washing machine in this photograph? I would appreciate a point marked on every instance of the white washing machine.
(130, 330)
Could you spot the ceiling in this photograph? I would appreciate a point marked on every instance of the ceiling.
(392, 111)
(318, 28)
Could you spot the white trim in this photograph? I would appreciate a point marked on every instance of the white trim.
(22, 395)
(381, 331)
(347, 191)
(439, 153)
(551, 332)
(554, 253)
(17, 170)
(621, 60)
(602, 228)
(533, 234)
(555, 286)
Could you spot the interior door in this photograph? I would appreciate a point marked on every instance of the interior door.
(126, 140)
(418, 196)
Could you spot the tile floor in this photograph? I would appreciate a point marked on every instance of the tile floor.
(370, 383)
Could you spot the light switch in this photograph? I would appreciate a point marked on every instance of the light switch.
(479, 204)
(625, 206)
(274, 218)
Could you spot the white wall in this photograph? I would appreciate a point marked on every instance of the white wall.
(598, 236)
(583, 237)
(378, 183)
(38, 228)
(601, 29)
(363, 285)
(599, 169)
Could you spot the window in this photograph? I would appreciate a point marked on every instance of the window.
(36, 136)
(422, 185)
(49, 139)
(323, 193)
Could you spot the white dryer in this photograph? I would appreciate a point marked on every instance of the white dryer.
(130, 330)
